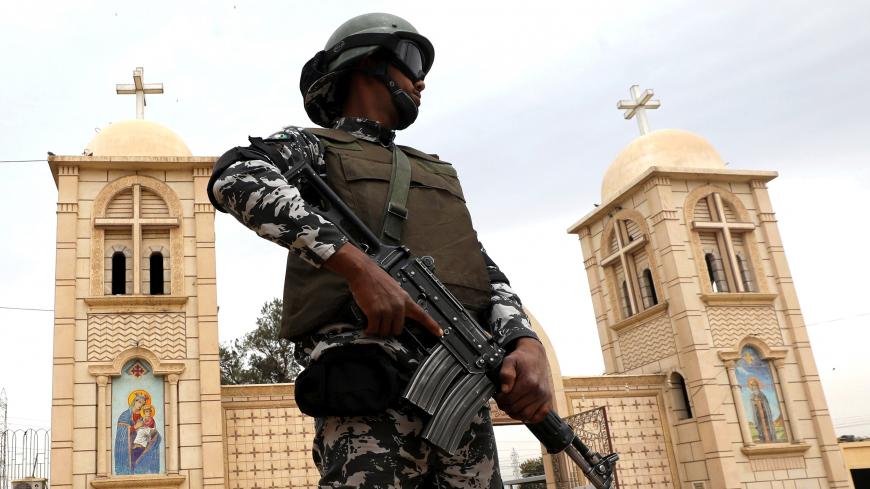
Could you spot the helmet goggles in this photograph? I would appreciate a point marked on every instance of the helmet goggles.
(407, 54)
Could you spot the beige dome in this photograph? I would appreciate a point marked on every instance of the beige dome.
(137, 138)
(668, 148)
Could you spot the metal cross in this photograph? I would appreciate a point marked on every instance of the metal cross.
(637, 107)
(140, 88)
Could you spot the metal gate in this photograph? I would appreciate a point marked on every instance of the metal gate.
(591, 426)
(24, 453)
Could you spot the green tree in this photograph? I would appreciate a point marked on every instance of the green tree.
(260, 356)
(532, 467)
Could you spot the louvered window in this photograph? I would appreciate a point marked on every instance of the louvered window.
(626, 301)
(629, 267)
(721, 236)
(136, 234)
(648, 289)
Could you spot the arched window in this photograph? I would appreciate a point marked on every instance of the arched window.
(648, 289)
(119, 273)
(680, 397)
(722, 238)
(138, 219)
(745, 273)
(716, 273)
(155, 271)
(628, 265)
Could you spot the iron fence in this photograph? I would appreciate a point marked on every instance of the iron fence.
(591, 427)
(24, 453)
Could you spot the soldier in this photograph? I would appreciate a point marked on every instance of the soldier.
(364, 86)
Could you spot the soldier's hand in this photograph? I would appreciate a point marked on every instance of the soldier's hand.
(380, 298)
(526, 387)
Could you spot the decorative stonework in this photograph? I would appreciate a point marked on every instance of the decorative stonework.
(767, 217)
(68, 170)
(647, 343)
(778, 463)
(203, 208)
(637, 434)
(110, 334)
(656, 181)
(590, 262)
(758, 184)
(664, 215)
(202, 171)
(583, 232)
(269, 447)
(731, 324)
(72, 207)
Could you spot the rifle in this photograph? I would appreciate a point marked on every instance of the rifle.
(460, 373)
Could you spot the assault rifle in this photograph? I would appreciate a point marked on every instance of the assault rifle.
(461, 371)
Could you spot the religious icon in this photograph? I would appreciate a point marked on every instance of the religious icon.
(760, 400)
(137, 446)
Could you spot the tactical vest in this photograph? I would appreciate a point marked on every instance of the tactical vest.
(438, 225)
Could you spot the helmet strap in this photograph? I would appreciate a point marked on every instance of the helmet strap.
(404, 104)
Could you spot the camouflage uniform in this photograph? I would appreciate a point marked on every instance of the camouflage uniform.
(364, 451)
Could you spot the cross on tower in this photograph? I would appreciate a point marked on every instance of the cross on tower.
(140, 88)
(637, 107)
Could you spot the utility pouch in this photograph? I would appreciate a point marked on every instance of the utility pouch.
(351, 380)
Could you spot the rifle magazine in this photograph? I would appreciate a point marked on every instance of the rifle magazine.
(432, 379)
(452, 418)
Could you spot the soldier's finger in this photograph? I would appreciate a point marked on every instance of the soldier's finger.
(525, 406)
(508, 377)
(397, 322)
(415, 312)
(374, 322)
(541, 413)
(386, 326)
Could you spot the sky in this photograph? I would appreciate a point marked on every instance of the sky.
(521, 99)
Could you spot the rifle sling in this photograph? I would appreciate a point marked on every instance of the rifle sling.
(396, 210)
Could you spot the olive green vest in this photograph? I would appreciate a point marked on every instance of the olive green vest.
(438, 225)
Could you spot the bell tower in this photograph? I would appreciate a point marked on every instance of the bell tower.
(136, 378)
(689, 278)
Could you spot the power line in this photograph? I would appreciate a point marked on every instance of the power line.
(26, 309)
(838, 319)
(23, 161)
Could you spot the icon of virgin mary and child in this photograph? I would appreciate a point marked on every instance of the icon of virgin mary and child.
(137, 441)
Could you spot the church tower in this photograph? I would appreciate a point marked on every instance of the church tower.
(136, 377)
(689, 279)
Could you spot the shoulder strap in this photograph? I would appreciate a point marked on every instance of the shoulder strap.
(396, 211)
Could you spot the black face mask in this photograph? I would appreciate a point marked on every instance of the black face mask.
(405, 107)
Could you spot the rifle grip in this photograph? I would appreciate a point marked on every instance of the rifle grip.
(553, 433)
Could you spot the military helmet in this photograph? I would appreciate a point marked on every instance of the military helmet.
(324, 77)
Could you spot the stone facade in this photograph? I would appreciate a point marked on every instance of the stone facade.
(723, 296)
(145, 211)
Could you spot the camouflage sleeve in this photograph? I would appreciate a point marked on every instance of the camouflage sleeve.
(506, 320)
(256, 193)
